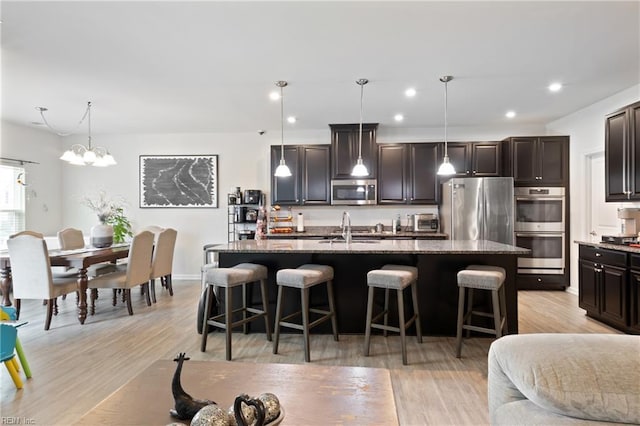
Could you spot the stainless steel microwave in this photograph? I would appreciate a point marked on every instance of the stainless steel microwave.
(353, 192)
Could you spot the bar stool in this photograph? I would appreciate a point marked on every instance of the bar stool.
(393, 277)
(304, 277)
(228, 278)
(482, 277)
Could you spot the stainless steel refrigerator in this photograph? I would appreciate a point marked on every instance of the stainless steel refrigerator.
(478, 209)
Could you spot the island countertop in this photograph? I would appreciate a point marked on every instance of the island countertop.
(387, 246)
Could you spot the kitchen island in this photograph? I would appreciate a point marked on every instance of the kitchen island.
(438, 262)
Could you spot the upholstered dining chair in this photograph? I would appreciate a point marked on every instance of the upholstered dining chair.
(72, 239)
(31, 273)
(134, 273)
(162, 263)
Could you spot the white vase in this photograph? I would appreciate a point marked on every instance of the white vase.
(101, 236)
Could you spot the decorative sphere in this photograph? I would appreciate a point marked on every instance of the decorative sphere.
(271, 406)
(210, 415)
(249, 414)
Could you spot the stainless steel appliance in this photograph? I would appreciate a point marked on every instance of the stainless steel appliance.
(540, 209)
(629, 221)
(252, 196)
(478, 209)
(540, 227)
(353, 191)
(425, 222)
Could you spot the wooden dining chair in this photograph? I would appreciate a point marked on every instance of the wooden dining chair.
(162, 263)
(31, 273)
(132, 274)
(73, 239)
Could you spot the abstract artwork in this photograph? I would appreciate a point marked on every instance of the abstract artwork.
(178, 181)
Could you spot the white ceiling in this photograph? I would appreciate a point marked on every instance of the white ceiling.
(158, 67)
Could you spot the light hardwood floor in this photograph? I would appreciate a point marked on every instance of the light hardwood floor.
(76, 366)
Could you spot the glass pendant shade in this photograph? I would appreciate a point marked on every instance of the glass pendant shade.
(360, 170)
(446, 168)
(282, 170)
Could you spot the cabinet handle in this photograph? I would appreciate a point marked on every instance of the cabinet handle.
(598, 254)
(539, 280)
(598, 270)
(467, 171)
(474, 172)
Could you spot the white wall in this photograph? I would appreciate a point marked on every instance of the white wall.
(586, 130)
(43, 194)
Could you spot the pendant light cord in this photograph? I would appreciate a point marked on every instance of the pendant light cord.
(360, 141)
(58, 132)
(445, 117)
(282, 123)
(89, 123)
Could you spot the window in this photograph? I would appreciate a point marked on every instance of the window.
(12, 201)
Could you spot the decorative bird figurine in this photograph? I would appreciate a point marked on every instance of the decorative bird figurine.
(186, 407)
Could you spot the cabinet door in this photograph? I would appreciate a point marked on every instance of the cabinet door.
(459, 156)
(423, 186)
(345, 146)
(634, 299)
(588, 286)
(634, 150)
(613, 296)
(485, 159)
(285, 190)
(392, 174)
(615, 151)
(316, 163)
(523, 151)
(553, 155)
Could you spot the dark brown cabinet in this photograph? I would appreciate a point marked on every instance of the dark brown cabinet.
(309, 183)
(622, 154)
(540, 160)
(407, 173)
(475, 159)
(345, 147)
(604, 285)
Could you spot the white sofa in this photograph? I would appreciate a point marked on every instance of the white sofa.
(564, 379)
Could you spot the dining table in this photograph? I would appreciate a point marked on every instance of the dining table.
(80, 259)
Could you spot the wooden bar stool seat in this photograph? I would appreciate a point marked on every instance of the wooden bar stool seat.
(304, 277)
(228, 278)
(481, 277)
(393, 277)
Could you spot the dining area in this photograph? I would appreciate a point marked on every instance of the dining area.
(30, 269)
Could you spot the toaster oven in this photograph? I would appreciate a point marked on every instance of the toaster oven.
(425, 222)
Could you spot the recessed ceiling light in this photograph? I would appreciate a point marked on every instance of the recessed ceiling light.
(555, 87)
(291, 119)
(398, 117)
(510, 114)
(274, 96)
(410, 92)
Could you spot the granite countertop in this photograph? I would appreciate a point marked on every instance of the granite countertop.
(356, 232)
(379, 246)
(619, 247)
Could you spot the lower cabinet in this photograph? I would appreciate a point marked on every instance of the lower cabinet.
(605, 286)
(542, 281)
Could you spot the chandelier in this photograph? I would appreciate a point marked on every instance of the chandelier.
(78, 154)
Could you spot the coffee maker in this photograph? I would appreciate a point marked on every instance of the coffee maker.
(629, 221)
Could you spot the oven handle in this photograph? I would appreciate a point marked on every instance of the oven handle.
(530, 234)
(558, 198)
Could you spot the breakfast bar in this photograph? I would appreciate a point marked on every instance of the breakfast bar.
(438, 262)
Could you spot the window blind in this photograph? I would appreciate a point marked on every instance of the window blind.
(12, 201)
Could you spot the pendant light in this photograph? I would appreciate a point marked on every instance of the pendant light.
(78, 154)
(360, 169)
(446, 168)
(282, 170)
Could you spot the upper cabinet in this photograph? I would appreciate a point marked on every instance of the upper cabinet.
(475, 159)
(309, 183)
(537, 161)
(345, 139)
(622, 154)
(407, 173)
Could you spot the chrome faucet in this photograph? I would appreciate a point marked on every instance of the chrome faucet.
(345, 227)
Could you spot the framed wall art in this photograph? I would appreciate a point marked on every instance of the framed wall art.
(183, 181)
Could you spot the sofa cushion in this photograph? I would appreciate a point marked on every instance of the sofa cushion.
(586, 376)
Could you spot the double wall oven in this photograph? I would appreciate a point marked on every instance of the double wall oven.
(540, 227)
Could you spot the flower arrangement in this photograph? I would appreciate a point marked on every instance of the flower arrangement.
(111, 213)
